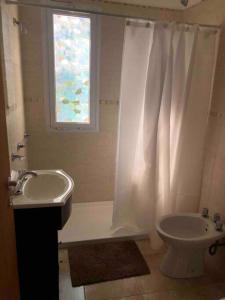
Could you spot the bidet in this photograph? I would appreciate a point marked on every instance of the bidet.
(188, 236)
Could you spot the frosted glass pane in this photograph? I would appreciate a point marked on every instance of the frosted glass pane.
(72, 68)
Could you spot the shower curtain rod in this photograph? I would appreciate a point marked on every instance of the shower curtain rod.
(90, 11)
(147, 24)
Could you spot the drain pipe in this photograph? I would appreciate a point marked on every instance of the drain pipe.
(214, 247)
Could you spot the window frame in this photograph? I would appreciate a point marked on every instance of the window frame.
(94, 74)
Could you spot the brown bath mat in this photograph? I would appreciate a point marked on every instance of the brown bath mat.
(105, 261)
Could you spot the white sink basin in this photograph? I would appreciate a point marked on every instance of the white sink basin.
(48, 189)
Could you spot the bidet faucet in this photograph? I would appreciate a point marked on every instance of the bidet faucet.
(205, 212)
(219, 225)
(216, 217)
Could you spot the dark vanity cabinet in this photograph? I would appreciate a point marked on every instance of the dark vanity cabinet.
(37, 250)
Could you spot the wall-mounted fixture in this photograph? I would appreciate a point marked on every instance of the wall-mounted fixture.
(205, 212)
(184, 2)
(15, 156)
(26, 135)
(21, 26)
(20, 146)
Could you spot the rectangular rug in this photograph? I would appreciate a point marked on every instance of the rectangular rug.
(101, 262)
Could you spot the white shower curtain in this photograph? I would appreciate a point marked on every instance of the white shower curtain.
(166, 85)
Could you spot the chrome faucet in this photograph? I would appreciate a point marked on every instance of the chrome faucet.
(23, 173)
(17, 184)
(15, 156)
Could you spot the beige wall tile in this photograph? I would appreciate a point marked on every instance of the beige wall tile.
(111, 57)
(88, 157)
(14, 83)
(208, 12)
(213, 187)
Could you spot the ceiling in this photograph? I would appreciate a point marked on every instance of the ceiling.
(172, 4)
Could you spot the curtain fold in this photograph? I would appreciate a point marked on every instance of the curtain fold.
(166, 84)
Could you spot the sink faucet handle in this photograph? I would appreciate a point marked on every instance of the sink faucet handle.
(21, 172)
(11, 183)
(205, 212)
(216, 217)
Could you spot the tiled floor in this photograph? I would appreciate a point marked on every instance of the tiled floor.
(148, 287)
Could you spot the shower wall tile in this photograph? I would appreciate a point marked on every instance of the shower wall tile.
(88, 157)
(14, 82)
(213, 182)
(208, 12)
(110, 72)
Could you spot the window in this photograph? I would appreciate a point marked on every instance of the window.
(72, 40)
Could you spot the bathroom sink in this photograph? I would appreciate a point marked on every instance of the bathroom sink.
(42, 206)
(49, 188)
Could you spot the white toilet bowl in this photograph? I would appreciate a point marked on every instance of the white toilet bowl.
(188, 237)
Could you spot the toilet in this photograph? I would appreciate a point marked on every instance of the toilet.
(187, 236)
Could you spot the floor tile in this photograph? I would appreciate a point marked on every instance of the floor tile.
(159, 296)
(66, 291)
(154, 261)
(139, 297)
(157, 282)
(64, 261)
(204, 280)
(145, 248)
(187, 294)
(112, 289)
(155, 286)
(213, 292)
